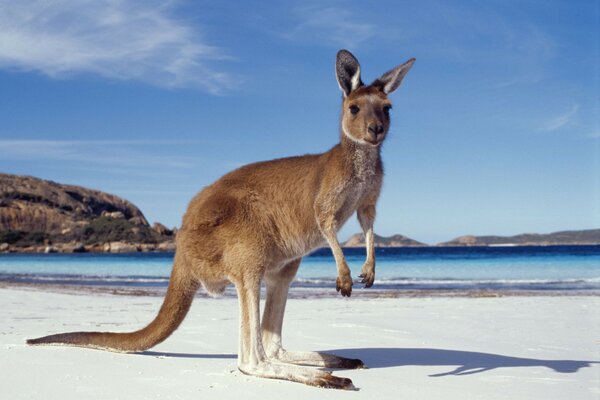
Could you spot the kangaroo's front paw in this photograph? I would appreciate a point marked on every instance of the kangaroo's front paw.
(343, 284)
(367, 275)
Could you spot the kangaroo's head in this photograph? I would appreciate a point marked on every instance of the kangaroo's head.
(366, 109)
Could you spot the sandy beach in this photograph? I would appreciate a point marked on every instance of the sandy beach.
(509, 347)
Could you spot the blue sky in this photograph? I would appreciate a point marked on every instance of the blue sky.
(495, 129)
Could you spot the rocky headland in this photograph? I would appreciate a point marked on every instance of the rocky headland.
(37, 215)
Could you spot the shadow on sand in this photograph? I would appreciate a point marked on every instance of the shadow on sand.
(466, 362)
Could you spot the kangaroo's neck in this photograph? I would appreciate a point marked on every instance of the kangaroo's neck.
(363, 160)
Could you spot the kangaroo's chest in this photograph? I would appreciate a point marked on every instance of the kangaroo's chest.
(352, 197)
(362, 182)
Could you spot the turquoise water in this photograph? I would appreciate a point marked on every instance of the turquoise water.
(511, 268)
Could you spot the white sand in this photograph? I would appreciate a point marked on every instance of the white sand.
(416, 348)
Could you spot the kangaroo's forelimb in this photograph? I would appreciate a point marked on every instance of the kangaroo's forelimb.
(366, 218)
(326, 205)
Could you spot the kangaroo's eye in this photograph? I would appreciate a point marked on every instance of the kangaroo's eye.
(387, 108)
(354, 109)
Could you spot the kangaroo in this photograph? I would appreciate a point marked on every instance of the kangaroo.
(255, 224)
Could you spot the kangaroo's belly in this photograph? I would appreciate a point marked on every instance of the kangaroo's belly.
(303, 237)
(301, 243)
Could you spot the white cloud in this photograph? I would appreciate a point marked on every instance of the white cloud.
(116, 39)
(563, 120)
(331, 25)
(103, 153)
(515, 47)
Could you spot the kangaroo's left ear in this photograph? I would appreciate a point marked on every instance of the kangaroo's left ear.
(391, 80)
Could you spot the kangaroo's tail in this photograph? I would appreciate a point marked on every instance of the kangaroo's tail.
(177, 302)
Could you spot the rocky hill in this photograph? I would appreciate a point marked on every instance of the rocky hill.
(358, 240)
(590, 236)
(38, 214)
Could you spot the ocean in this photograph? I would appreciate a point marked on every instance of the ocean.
(566, 269)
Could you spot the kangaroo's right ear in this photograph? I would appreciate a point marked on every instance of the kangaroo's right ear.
(347, 72)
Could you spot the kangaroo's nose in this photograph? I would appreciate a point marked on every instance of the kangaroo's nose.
(376, 129)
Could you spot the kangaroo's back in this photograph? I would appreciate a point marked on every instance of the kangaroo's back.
(274, 199)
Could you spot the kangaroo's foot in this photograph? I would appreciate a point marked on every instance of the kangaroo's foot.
(316, 359)
(343, 284)
(293, 373)
(367, 276)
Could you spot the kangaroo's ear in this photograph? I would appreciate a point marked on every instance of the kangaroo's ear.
(391, 80)
(347, 72)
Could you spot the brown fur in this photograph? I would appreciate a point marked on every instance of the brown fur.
(257, 222)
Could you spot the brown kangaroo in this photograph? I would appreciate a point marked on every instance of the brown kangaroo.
(257, 222)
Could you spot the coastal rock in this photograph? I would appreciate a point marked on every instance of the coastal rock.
(166, 246)
(50, 249)
(147, 247)
(78, 248)
(121, 247)
(113, 214)
(139, 220)
(73, 247)
(4, 247)
(97, 248)
(161, 229)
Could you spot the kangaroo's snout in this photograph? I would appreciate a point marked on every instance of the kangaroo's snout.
(375, 132)
(376, 129)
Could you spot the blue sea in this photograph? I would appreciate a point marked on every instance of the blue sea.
(550, 268)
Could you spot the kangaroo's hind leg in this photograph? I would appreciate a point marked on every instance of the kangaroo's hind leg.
(278, 284)
(252, 359)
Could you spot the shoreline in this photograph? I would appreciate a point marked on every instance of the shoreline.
(299, 292)
(168, 247)
(404, 273)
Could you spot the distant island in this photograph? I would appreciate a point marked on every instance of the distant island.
(358, 240)
(39, 216)
(583, 237)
